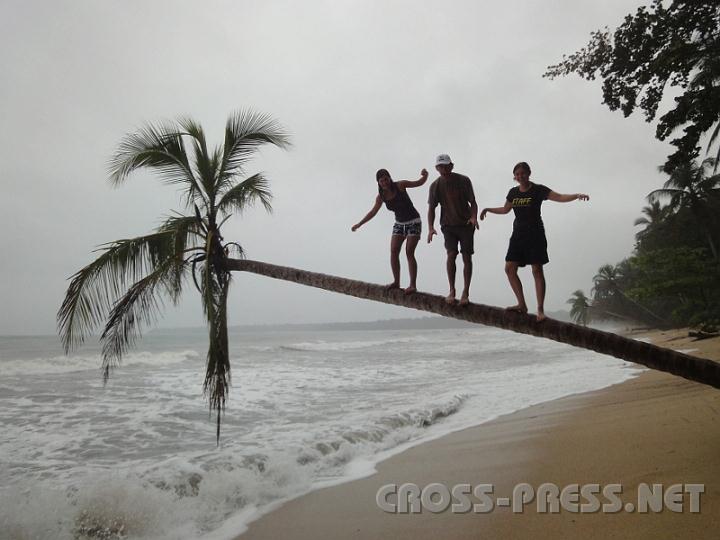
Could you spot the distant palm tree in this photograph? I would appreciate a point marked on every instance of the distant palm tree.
(692, 187)
(605, 282)
(579, 308)
(654, 215)
(125, 285)
(608, 293)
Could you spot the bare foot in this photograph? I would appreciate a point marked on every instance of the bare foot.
(464, 301)
(391, 286)
(411, 289)
(517, 309)
(450, 298)
(541, 317)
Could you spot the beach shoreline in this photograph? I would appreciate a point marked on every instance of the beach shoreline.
(655, 428)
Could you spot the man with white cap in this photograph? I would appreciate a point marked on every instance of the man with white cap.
(458, 221)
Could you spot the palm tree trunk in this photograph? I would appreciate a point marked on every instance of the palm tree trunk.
(711, 243)
(690, 367)
(658, 319)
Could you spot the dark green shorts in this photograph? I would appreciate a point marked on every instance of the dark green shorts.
(459, 234)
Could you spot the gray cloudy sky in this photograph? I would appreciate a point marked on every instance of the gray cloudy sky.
(360, 85)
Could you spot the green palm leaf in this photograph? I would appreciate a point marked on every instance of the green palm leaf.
(160, 148)
(139, 307)
(245, 132)
(205, 168)
(94, 289)
(245, 194)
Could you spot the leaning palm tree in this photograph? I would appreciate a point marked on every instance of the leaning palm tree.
(652, 356)
(124, 287)
(579, 308)
(693, 187)
(608, 294)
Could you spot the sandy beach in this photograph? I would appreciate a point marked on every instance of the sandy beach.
(654, 429)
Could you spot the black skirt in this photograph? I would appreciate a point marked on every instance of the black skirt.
(528, 246)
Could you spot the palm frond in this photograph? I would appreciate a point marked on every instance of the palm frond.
(214, 287)
(158, 147)
(205, 170)
(139, 307)
(94, 289)
(233, 249)
(217, 381)
(188, 236)
(245, 132)
(658, 195)
(245, 194)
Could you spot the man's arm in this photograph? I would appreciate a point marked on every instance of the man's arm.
(432, 203)
(473, 206)
(431, 223)
(473, 214)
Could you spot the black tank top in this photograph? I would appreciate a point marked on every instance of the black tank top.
(401, 205)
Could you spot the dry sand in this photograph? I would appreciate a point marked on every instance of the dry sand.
(654, 429)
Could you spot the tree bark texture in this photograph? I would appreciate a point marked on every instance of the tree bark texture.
(659, 358)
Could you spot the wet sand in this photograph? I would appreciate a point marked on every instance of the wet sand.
(654, 429)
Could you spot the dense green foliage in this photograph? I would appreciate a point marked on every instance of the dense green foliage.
(123, 289)
(656, 48)
(673, 275)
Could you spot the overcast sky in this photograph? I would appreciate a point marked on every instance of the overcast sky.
(360, 85)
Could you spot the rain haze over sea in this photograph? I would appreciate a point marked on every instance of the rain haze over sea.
(137, 458)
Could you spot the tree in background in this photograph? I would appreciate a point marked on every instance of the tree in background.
(679, 282)
(691, 188)
(610, 297)
(653, 218)
(124, 287)
(579, 308)
(673, 273)
(659, 47)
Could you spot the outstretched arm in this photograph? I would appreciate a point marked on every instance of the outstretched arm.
(498, 210)
(558, 197)
(414, 183)
(370, 214)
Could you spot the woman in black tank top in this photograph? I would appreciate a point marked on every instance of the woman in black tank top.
(407, 222)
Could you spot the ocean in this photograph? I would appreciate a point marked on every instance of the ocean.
(137, 458)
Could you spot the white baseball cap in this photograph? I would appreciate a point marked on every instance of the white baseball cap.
(443, 159)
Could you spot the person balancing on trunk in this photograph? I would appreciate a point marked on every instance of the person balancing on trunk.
(408, 225)
(458, 221)
(528, 244)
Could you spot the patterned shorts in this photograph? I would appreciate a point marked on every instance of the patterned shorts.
(409, 228)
